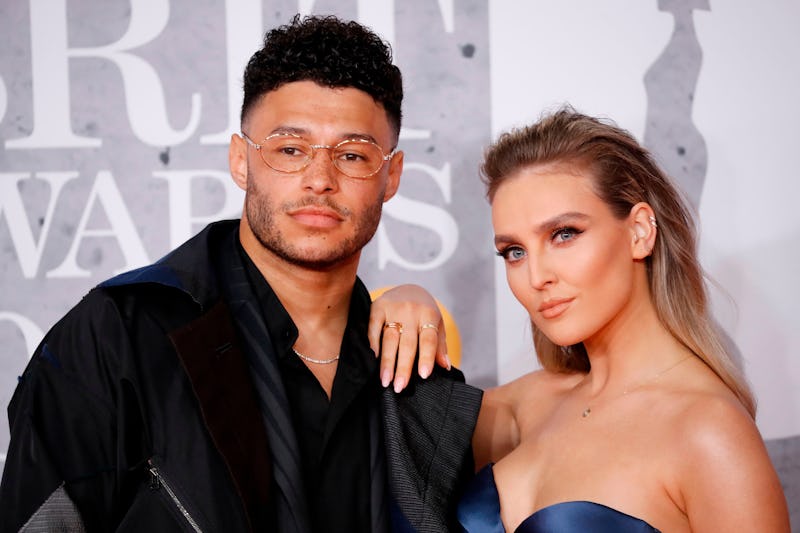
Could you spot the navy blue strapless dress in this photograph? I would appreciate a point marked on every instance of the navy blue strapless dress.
(479, 512)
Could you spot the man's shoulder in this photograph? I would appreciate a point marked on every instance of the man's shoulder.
(428, 433)
(188, 268)
(108, 316)
(157, 273)
(444, 391)
(164, 295)
(453, 374)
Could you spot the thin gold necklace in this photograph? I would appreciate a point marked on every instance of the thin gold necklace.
(588, 410)
(317, 361)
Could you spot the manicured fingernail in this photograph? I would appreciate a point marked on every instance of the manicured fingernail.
(447, 360)
(386, 378)
(425, 371)
(399, 383)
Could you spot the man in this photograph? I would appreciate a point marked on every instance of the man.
(231, 386)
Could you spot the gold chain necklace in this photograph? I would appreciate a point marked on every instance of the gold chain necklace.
(317, 361)
(588, 410)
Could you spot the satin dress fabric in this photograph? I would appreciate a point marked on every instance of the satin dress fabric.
(479, 512)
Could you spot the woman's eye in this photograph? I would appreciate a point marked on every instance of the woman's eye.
(564, 234)
(511, 254)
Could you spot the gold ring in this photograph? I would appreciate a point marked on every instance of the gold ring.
(394, 325)
(429, 325)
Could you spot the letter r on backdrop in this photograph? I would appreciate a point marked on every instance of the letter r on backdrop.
(144, 95)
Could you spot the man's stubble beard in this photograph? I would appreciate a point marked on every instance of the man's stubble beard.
(261, 218)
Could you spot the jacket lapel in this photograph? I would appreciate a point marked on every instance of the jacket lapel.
(379, 496)
(219, 376)
(290, 499)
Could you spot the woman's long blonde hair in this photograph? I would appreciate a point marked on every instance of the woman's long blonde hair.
(624, 174)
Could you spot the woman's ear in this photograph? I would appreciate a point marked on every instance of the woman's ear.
(644, 228)
(237, 160)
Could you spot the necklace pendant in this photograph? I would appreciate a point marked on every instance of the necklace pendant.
(586, 412)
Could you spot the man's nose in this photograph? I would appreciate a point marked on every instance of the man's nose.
(321, 175)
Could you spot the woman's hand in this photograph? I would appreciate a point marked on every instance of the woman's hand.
(402, 320)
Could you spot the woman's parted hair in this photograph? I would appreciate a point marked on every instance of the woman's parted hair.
(330, 52)
(623, 174)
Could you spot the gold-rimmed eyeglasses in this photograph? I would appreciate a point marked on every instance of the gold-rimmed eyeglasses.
(287, 153)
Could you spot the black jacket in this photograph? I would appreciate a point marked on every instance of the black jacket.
(137, 413)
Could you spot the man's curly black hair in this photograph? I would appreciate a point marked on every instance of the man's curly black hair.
(331, 53)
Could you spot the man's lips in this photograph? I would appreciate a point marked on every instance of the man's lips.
(318, 216)
(554, 307)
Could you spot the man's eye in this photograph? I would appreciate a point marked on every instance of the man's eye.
(352, 156)
(290, 150)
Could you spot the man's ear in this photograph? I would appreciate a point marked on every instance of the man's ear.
(237, 160)
(644, 228)
(393, 179)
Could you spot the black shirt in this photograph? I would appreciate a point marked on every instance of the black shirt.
(333, 436)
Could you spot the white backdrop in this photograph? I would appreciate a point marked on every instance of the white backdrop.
(709, 85)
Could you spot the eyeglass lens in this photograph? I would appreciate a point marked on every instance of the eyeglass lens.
(354, 158)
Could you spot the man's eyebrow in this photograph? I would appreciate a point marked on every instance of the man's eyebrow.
(302, 132)
(289, 129)
(360, 136)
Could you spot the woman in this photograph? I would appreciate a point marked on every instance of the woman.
(639, 419)
(638, 409)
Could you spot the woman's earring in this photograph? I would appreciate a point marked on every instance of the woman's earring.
(653, 221)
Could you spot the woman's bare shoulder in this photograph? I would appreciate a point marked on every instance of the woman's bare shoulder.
(539, 384)
(711, 423)
(705, 407)
(720, 451)
(506, 411)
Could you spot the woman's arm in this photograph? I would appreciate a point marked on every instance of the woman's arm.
(728, 481)
(497, 432)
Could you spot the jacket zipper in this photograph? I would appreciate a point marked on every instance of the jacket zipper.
(157, 481)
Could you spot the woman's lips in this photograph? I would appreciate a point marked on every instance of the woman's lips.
(554, 307)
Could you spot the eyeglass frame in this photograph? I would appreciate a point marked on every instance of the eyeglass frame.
(314, 148)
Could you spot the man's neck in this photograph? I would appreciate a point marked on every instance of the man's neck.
(317, 300)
